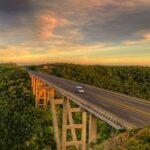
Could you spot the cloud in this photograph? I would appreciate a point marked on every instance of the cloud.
(84, 54)
(16, 13)
(145, 38)
(114, 23)
(33, 27)
(48, 23)
(97, 20)
(15, 7)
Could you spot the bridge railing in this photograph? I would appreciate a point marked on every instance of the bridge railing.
(44, 95)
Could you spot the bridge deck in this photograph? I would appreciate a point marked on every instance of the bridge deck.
(116, 109)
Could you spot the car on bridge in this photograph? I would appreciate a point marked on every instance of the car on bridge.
(79, 89)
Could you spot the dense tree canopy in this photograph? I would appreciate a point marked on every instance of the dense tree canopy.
(136, 139)
(130, 80)
(22, 127)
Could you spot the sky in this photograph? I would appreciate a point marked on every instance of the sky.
(105, 32)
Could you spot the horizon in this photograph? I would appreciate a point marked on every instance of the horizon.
(66, 63)
(86, 32)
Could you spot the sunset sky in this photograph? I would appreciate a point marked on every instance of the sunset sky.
(110, 32)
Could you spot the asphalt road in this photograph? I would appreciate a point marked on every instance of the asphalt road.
(132, 110)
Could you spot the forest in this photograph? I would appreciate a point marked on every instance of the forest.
(130, 80)
(22, 127)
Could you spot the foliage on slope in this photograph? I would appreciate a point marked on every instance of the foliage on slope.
(137, 139)
(22, 127)
(134, 80)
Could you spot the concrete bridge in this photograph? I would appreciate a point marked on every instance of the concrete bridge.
(118, 110)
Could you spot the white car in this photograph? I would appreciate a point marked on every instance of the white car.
(79, 89)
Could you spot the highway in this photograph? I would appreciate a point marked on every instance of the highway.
(132, 111)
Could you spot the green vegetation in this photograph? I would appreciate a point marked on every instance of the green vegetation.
(134, 81)
(22, 127)
(131, 140)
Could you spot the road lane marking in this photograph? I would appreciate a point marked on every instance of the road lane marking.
(124, 105)
(98, 89)
(140, 105)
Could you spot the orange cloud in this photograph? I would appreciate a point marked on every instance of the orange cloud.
(78, 56)
(48, 24)
(13, 50)
(147, 36)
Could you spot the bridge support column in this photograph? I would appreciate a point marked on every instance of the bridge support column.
(33, 83)
(36, 93)
(34, 87)
(64, 125)
(71, 121)
(55, 121)
(40, 94)
(44, 93)
(92, 128)
(84, 121)
(68, 124)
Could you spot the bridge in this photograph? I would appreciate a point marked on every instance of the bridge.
(118, 110)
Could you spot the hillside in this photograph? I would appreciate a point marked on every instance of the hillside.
(137, 139)
(22, 127)
(133, 81)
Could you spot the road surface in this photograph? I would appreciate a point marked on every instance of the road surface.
(129, 109)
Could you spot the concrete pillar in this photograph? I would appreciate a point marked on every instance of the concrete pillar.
(55, 121)
(45, 99)
(36, 92)
(64, 125)
(83, 136)
(92, 128)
